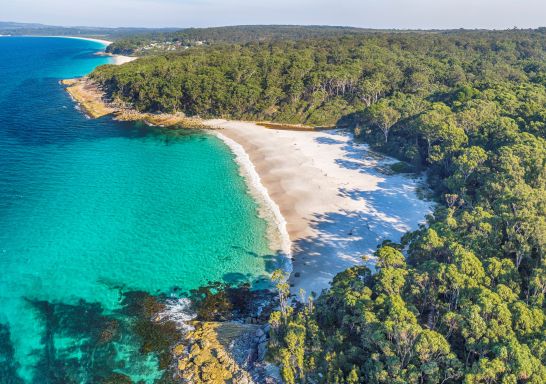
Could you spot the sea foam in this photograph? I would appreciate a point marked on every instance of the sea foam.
(269, 210)
(179, 312)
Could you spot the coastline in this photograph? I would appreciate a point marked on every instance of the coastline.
(278, 235)
(91, 100)
(104, 42)
(329, 200)
(338, 199)
(116, 59)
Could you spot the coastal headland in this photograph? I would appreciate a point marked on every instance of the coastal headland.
(333, 198)
(91, 99)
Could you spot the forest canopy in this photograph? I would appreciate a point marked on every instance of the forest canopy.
(462, 299)
(318, 81)
(241, 34)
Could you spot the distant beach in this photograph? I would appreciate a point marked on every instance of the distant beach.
(117, 59)
(105, 42)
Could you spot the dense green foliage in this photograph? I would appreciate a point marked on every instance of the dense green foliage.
(467, 304)
(319, 81)
(231, 35)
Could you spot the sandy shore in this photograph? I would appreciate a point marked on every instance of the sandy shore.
(116, 59)
(336, 198)
(120, 59)
(330, 199)
(105, 42)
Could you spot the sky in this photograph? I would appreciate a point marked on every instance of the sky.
(400, 14)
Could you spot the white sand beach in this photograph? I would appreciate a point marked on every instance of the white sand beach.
(105, 42)
(337, 201)
(116, 59)
(120, 59)
(331, 201)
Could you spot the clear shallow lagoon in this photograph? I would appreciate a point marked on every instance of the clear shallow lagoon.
(93, 209)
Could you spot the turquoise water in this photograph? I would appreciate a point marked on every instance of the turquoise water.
(91, 209)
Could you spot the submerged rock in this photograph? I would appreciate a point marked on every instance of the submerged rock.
(117, 378)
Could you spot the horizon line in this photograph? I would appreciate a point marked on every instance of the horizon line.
(515, 28)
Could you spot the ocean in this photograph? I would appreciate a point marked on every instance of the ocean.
(94, 214)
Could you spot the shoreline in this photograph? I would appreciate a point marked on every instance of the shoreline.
(116, 59)
(90, 98)
(331, 199)
(278, 235)
(104, 42)
(337, 198)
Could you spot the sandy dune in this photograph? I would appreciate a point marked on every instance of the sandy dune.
(337, 201)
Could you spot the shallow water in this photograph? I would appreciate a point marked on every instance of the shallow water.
(93, 209)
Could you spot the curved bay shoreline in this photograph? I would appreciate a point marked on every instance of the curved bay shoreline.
(330, 199)
(339, 199)
(116, 59)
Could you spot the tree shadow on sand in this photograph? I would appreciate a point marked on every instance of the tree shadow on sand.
(341, 239)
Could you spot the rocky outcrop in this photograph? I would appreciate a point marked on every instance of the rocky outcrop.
(88, 97)
(261, 341)
(93, 102)
(228, 352)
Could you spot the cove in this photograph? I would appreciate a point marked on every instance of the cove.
(92, 210)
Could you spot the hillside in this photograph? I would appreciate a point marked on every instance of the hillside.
(182, 39)
(29, 29)
(463, 298)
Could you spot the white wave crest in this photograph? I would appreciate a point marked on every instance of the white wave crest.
(178, 311)
(269, 210)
